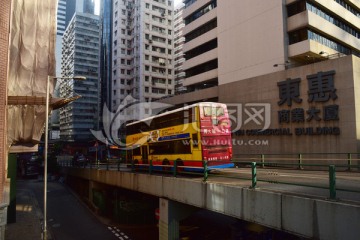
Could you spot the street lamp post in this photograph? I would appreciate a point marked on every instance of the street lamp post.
(46, 143)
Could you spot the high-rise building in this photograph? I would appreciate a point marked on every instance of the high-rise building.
(61, 17)
(66, 10)
(179, 41)
(288, 71)
(232, 40)
(142, 50)
(106, 46)
(85, 6)
(81, 49)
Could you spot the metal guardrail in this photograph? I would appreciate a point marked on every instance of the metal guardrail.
(206, 172)
(298, 159)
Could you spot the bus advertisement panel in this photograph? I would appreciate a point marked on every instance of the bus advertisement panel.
(186, 135)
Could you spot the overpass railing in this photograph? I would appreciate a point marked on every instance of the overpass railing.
(250, 164)
(344, 161)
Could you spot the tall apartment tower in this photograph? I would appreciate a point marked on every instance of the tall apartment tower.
(228, 41)
(65, 12)
(106, 45)
(179, 41)
(142, 49)
(81, 49)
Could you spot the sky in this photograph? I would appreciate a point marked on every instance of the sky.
(97, 7)
(176, 2)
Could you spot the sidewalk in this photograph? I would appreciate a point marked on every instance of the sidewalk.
(28, 217)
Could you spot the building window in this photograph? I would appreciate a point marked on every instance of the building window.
(201, 30)
(200, 12)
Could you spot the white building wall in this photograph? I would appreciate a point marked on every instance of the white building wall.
(143, 46)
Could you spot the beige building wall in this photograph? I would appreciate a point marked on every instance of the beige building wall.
(356, 72)
(264, 90)
(243, 26)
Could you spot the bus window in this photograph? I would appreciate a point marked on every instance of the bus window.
(129, 154)
(213, 111)
(169, 147)
(136, 151)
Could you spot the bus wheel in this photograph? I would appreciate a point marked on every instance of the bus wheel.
(166, 165)
(180, 163)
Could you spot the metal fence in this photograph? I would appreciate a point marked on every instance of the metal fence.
(257, 161)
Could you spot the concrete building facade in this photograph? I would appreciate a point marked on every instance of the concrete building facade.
(142, 62)
(307, 109)
(286, 69)
(179, 54)
(81, 49)
(228, 41)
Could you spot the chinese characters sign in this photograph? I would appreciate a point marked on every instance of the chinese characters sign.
(321, 89)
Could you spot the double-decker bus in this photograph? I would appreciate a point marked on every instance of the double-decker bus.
(187, 135)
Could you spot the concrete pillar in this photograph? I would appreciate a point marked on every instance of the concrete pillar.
(171, 213)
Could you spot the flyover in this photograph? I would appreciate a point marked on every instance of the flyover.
(274, 205)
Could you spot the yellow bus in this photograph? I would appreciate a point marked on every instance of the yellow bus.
(187, 135)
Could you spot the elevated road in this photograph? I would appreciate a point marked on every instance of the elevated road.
(313, 184)
(288, 200)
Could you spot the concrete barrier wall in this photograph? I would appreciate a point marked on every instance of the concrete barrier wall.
(313, 218)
